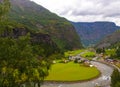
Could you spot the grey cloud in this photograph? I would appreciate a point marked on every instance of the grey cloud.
(65, 10)
(107, 8)
(86, 10)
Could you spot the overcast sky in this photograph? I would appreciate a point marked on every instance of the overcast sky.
(84, 10)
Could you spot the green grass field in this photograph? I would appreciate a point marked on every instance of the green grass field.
(110, 52)
(73, 53)
(71, 72)
(88, 54)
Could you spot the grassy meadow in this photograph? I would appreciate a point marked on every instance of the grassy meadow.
(73, 53)
(71, 72)
(88, 54)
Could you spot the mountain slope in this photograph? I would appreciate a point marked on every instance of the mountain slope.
(109, 40)
(39, 19)
(43, 41)
(93, 32)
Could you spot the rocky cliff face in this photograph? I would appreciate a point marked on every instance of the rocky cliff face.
(92, 32)
(39, 19)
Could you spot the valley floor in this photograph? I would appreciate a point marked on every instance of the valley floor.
(103, 80)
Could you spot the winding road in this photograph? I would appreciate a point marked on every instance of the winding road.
(103, 80)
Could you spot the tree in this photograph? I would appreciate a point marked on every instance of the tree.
(117, 84)
(4, 8)
(115, 78)
(118, 52)
(19, 64)
(100, 50)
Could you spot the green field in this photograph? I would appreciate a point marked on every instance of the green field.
(88, 54)
(110, 51)
(71, 72)
(73, 53)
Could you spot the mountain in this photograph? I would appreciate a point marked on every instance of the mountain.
(110, 40)
(44, 42)
(92, 32)
(39, 19)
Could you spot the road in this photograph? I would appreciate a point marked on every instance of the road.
(103, 80)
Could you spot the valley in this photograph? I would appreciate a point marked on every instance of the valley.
(105, 67)
(102, 81)
(39, 48)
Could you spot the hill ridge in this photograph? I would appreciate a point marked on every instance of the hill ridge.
(92, 32)
(39, 19)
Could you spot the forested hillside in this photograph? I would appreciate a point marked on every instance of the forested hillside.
(39, 19)
(110, 40)
(25, 55)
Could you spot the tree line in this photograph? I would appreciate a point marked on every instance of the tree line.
(20, 62)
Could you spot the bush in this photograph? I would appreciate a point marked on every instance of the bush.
(115, 78)
(75, 61)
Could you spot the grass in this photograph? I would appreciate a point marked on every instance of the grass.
(110, 51)
(88, 54)
(71, 72)
(72, 53)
